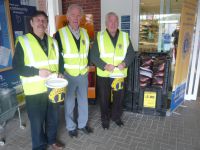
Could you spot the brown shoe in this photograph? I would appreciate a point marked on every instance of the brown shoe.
(56, 146)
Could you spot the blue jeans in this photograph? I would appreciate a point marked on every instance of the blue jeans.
(43, 116)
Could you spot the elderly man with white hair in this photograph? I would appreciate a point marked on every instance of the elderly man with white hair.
(73, 43)
(112, 53)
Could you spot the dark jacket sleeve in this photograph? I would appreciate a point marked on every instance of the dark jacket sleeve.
(61, 60)
(129, 55)
(19, 65)
(95, 56)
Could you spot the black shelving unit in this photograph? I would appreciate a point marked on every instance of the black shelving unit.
(135, 96)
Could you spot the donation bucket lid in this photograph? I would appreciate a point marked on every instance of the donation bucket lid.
(117, 73)
(116, 76)
(56, 83)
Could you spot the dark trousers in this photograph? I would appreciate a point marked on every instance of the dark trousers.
(109, 110)
(43, 116)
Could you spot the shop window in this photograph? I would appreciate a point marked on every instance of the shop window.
(158, 21)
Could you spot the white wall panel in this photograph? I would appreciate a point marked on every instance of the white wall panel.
(123, 7)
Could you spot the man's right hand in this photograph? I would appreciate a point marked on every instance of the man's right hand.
(44, 73)
(109, 67)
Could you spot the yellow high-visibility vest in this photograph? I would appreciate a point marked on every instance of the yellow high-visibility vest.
(34, 56)
(110, 54)
(75, 61)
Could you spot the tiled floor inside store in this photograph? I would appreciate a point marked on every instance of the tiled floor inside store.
(180, 131)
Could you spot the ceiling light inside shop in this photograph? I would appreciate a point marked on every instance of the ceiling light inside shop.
(168, 21)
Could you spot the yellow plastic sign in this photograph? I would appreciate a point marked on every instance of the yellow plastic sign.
(149, 99)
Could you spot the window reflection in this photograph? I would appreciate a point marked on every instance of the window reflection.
(158, 20)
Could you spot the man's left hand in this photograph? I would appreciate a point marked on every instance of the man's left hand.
(60, 75)
(121, 66)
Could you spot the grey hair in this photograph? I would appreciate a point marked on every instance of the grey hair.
(111, 14)
(72, 6)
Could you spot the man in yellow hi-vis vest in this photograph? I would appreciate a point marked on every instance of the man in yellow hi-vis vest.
(112, 53)
(36, 58)
(73, 43)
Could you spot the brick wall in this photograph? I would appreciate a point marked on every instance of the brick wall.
(89, 7)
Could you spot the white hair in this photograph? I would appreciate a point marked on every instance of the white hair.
(72, 6)
(111, 14)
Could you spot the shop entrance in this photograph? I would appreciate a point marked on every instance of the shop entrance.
(159, 25)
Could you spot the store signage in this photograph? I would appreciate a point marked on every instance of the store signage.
(166, 38)
(6, 43)
(9, 79)
(149, 99)
(125, 23)
(188, 21)
(177, 96)
(20, 15)
(186, 44)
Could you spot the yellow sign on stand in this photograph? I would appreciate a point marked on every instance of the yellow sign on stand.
(149, 99)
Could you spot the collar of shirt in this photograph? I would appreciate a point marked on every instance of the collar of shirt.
(39, 39)
(43, 42)
(76, 33)
(113, 39)
(116, 35)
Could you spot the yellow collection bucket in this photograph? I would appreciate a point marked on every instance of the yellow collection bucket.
(57, 88)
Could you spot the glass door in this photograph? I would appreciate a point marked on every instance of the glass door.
(159, 25)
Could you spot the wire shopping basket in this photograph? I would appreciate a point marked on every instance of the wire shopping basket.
(8, 107)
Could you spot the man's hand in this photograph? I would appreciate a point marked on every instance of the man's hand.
(121, 66)
(44, 73)
(109, 67)
(60, 75)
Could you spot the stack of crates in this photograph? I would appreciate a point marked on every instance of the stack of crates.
(151, 99)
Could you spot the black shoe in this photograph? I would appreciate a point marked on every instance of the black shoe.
(105, 125)
(119, 123)
(86, 130)
(73, 133)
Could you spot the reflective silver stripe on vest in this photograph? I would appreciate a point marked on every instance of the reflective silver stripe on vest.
(86, 40)
(30, 55)
(45, 63)
(110, 55)
(56, 49)
(68, 55)
(29, 50)
(119, 58)
(125, 43)
(74, 55)
(32, 79)
(66, 40)
(74, 66)
(103, 53)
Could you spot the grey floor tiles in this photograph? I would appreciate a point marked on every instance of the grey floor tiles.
(180, 131)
